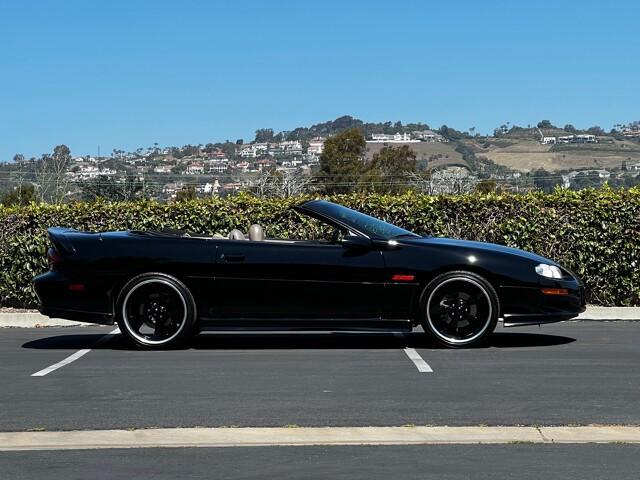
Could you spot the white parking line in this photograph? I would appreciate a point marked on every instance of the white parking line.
(75, 356)
(421, 365)
(414, 356)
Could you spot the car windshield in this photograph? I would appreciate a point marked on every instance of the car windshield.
(370, 226)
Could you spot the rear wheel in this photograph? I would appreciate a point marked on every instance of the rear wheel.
(157, 311)
(459, 309)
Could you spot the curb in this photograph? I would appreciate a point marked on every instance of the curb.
(271, 436)
(610, 313)
(36, 320)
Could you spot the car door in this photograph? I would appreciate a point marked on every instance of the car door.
(292, 282)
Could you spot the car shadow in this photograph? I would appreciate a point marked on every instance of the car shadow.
(298, 340)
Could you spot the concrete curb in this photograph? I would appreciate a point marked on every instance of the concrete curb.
(232, 437)
(610, 313)
(36, 320)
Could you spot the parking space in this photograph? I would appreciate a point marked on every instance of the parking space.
(571, 373)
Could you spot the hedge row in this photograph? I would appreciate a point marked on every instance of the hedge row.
(596, 233)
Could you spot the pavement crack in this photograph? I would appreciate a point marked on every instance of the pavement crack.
(542, 435)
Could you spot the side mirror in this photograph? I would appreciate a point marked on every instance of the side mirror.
(356, 242)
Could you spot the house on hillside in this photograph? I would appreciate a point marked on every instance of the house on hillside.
(291, 147)
(195, 169)
(260, 165)
(395, 138)
(218, 167)
(254, 150)
(316, 146)
(582, 138)
(208, 188)
(570, 177)
(427, 136)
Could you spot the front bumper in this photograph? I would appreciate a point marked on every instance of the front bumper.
(529, 306)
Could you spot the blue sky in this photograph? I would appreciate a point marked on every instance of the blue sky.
(126, 74)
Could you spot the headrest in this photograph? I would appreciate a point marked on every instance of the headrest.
(256, 233)
(236, 234)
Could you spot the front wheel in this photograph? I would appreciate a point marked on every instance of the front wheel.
(459, 309)
(156, 311)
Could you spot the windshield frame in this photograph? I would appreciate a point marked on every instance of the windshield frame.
(352, 220)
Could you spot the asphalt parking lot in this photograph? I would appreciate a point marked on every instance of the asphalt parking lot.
(562, 374)
(451, 462)
(574, 373)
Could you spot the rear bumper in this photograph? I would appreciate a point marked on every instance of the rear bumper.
(57, 300)
(77, 315)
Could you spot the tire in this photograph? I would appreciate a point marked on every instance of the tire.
(156, 311)
(459, 309)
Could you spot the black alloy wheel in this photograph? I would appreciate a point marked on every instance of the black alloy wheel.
(460, 309)
(156, 311)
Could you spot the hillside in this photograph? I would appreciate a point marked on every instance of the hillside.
(527, 155)
(434, 154)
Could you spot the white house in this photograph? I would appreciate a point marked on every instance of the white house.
(253, 150)
(218, 167)
(427, 136)
(209, 188)
(583, 138)
(316, 146)
(395, 138)
(195, 169)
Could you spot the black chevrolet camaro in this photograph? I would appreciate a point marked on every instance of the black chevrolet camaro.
(161, 287)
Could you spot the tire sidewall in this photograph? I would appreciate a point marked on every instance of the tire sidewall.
(186, 331)
(491, 293)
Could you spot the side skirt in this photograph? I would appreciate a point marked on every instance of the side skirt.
(289, 324)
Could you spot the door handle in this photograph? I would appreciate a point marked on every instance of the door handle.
(232, 258)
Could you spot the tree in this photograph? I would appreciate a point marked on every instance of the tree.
(110, 189)
(21, 195)
(51, 174)
(389, 169)
(188, 192)
(545, 124)
(264, 135)
(342, 161)
(61, 159)
(545, 181)
(596, 130)
(451, 133)
(486, 186)
(289, 183)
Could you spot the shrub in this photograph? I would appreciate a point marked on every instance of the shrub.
(595, 233)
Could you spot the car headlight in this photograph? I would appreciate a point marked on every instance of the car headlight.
(549, 271)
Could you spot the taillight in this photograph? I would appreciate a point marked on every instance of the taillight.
(53, 257)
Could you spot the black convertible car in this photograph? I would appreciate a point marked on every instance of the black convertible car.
(161, 287)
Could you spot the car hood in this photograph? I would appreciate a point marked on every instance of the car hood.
(483, 246)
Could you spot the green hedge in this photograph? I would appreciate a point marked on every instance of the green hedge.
(595, 233)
